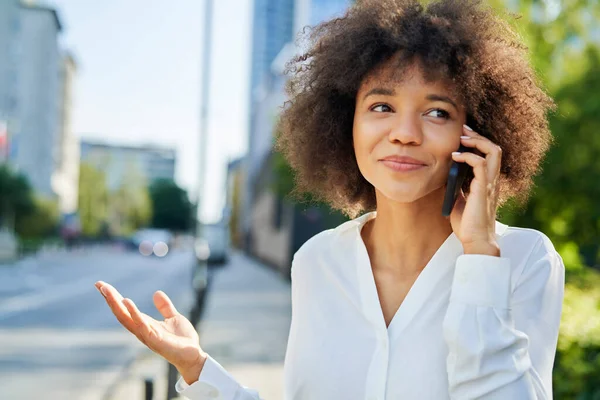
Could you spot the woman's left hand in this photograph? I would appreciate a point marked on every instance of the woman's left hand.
(474, 219)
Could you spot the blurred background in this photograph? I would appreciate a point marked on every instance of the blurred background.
(136, 147)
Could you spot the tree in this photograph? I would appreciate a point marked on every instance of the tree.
(31, 216)
(16, 197)
(93, 199)
(130, 205)
(171, 208)
(41, 222)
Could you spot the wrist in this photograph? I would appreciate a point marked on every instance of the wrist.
(191, 373)
(486, 249)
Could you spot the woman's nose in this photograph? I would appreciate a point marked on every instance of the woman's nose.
(406, 130)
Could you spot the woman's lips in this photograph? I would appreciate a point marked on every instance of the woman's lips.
(402, 166)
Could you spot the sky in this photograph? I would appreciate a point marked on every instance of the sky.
(139, 80)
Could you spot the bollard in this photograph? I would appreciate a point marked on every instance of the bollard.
(148, 389)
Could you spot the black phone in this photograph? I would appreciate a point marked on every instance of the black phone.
(456, 177)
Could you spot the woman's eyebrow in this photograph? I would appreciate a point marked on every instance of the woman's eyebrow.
(437, 97)
(380, 91)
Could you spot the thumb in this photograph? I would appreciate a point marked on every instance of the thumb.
(164, 305)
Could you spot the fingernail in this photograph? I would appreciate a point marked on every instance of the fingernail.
(467, 127)
(102, 291)
(456, 153)
(465, 137)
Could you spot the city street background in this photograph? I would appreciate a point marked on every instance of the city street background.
(136, 148)
(59, 340)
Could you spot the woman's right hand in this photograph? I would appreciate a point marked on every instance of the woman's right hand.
(175, 338)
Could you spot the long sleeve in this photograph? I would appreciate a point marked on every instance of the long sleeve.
(215, 383)
(298, 289)
(502, 337)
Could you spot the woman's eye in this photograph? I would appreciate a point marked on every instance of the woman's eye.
(439, 113)
(381, 108)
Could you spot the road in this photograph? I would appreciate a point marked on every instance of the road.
(245, 327)
(58, 339)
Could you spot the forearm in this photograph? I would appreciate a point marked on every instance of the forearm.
(501, 340)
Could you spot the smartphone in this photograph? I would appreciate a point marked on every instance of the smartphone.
(456, 177)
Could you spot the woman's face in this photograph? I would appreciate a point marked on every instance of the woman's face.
(404, 134)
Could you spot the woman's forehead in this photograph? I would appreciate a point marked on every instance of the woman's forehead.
(391, 77)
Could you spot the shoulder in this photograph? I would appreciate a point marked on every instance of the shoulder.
(527, 247)
(523, 240)
(326, 240)
(328, 244)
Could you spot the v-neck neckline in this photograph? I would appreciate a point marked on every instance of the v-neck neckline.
(417, 295)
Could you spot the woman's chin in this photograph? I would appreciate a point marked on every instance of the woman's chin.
(404, 197)
(407, 195)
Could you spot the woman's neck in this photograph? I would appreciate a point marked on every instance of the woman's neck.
(404, 236)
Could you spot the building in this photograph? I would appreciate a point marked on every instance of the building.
(9, 66)
(272, 29)
(35, 135)
(320, 10)
(36, 80)
(65, 181)
(122, 163)
(273, 24)
(272, 228)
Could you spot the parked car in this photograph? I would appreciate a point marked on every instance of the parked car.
(149, 242)
(70, 229)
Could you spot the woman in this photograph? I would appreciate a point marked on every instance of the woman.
(401, 302)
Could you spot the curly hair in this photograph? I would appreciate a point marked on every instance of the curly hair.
(460, 42)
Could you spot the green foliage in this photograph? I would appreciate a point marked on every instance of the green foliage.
(31, 217)
(171, 208)
(577, 366)
(93, 199)
(130, 206)
(565, 201)
(41, 223)
(16, 196)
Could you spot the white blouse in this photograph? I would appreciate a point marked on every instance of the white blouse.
(471, 326)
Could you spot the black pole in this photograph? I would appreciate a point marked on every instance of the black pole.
(206, 72)
(172, 376)
(148, 389)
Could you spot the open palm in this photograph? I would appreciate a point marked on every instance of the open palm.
(175, 338)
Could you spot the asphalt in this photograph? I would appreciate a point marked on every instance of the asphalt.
(244, 326)
(58, 339)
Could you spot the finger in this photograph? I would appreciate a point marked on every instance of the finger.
(107, 289)
(136, 315)
(478, 163)
(144, 329)
(114, 300)
(164, 304)
(491, 151)
(142, 321)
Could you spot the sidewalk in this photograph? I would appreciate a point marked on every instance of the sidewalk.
(245, 328)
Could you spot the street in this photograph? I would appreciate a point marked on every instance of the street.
(244, 327)
(58, 338)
